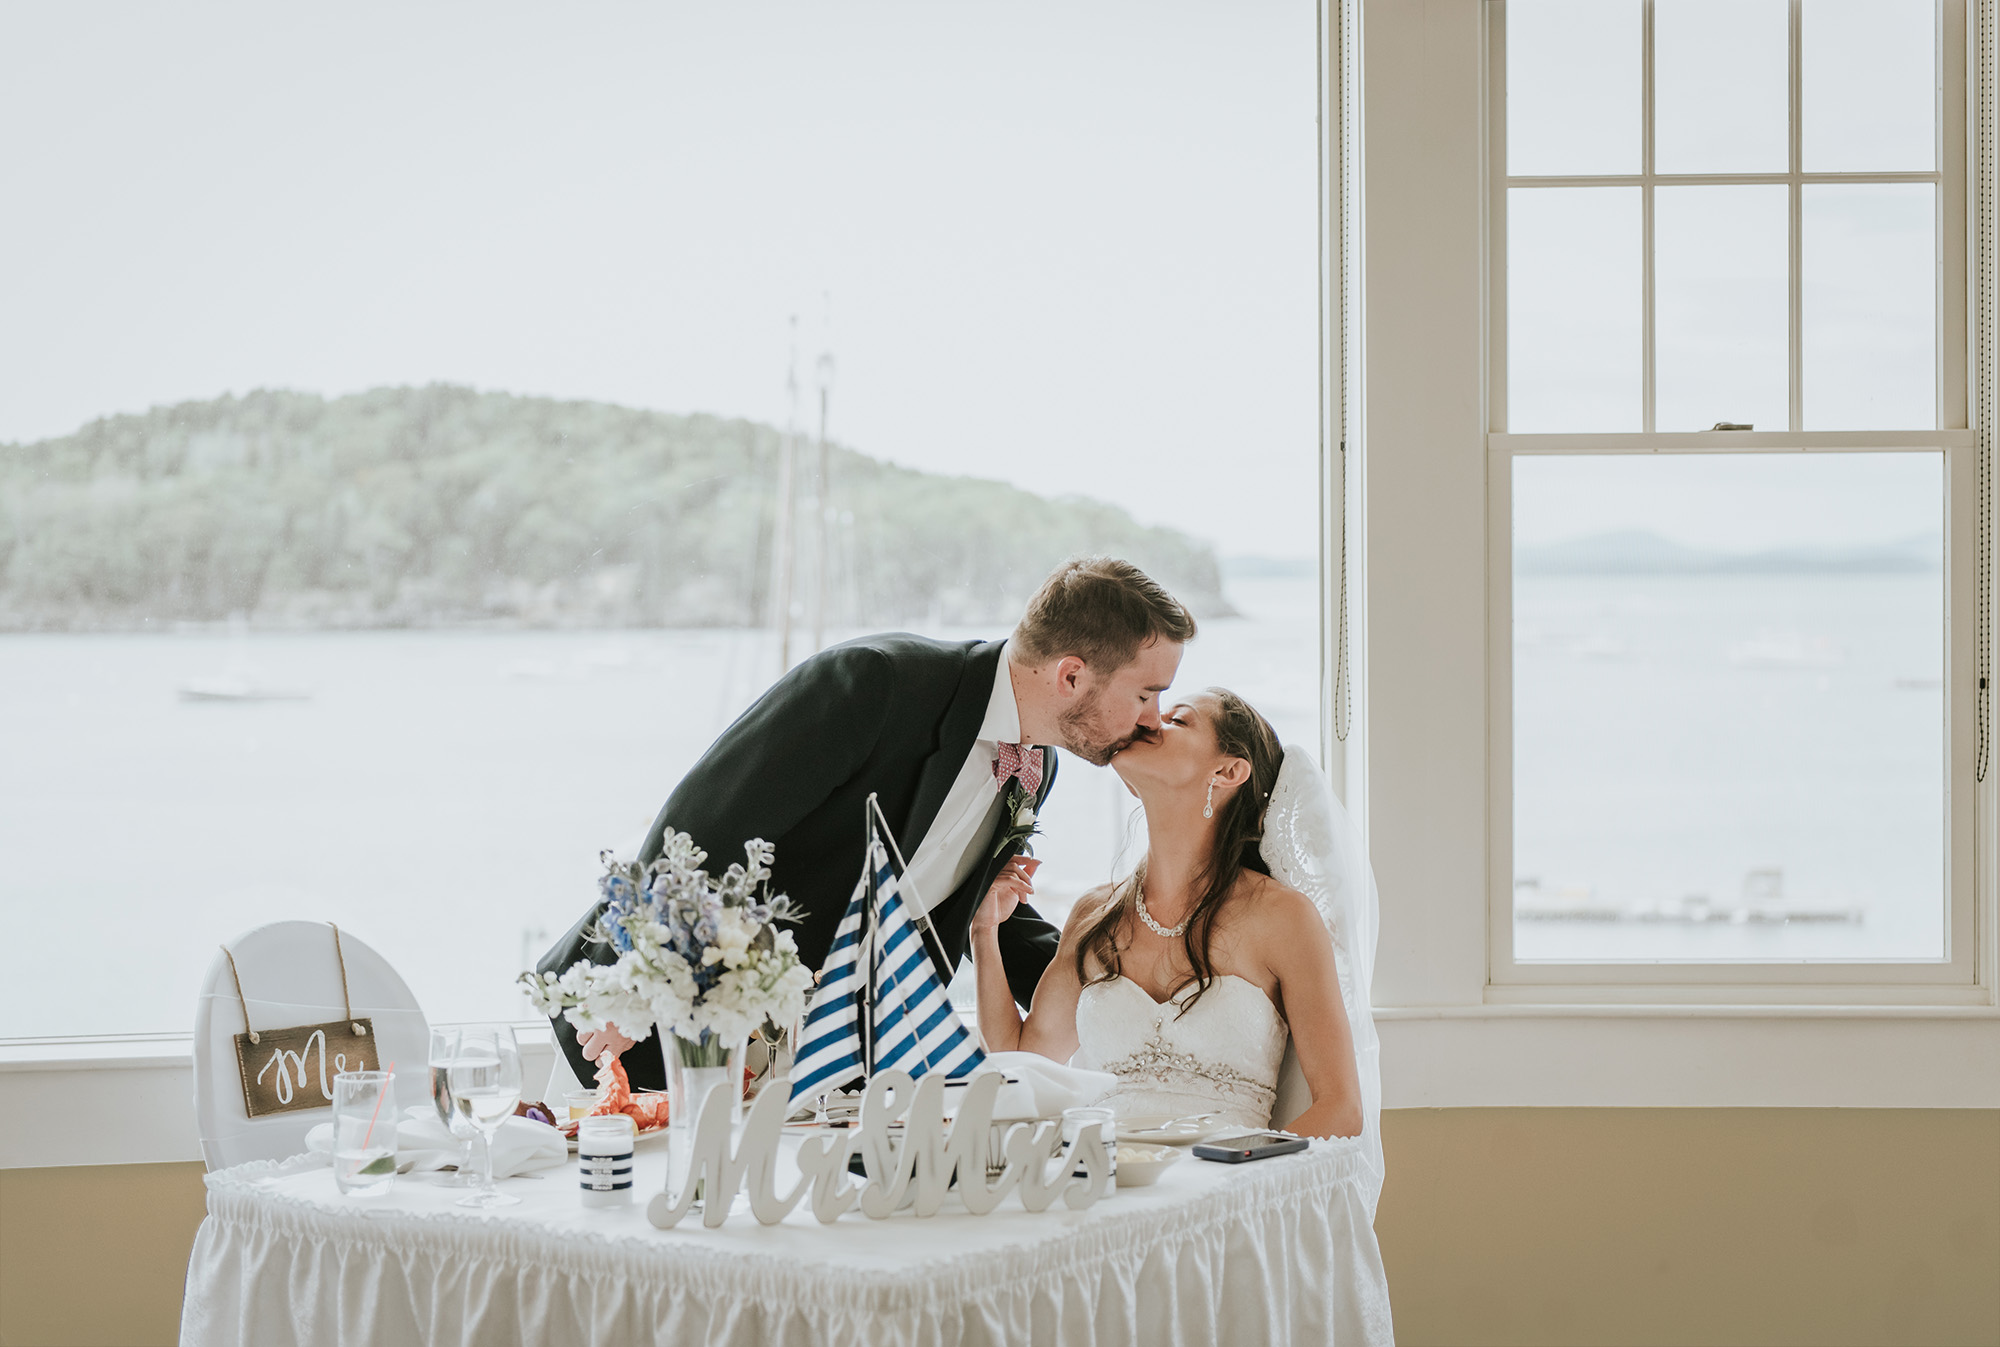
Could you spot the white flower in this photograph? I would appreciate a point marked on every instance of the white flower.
(652, 984)
(733, 934)
(545, 992)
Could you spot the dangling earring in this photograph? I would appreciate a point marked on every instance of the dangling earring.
(1208, 809)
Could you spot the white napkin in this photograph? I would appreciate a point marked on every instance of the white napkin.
(424, 1142)
(1042, 1088)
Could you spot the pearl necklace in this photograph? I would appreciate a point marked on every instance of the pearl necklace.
(1168, 932)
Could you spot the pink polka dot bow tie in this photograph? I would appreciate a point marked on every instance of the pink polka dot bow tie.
(1020, 761)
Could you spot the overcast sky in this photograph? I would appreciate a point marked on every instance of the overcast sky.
(1068, 245)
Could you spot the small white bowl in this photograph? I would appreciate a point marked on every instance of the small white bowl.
(1139, 1164)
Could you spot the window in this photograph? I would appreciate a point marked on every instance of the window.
(418, 444)
(1732, 500)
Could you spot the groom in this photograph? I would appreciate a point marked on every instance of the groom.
(937, 730)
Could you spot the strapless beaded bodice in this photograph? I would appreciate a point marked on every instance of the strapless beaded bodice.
(1221, 1057)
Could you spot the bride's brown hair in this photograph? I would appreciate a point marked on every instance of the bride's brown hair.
(1239, 733)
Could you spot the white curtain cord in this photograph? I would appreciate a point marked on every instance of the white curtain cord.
(1986, 343)
(1341, 16)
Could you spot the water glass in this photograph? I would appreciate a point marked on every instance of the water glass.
(604, 1149)
(444, 1047)
(1073, 1122)
(485, 1082)
(364, 1132)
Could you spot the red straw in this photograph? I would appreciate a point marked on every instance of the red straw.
(378, 1109)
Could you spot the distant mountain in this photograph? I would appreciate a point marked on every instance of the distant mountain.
(1636, 552)
(1255, 566)
(443, 505)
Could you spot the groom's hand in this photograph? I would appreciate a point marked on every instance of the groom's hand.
(596, 1044)
(1015, 883)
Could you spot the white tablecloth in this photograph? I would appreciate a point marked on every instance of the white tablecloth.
(1273, 1252)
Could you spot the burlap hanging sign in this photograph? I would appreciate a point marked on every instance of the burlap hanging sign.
(285, 1070)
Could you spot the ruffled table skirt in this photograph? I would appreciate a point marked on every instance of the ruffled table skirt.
(1276, 1251)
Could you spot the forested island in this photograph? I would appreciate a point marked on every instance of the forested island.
(447, 506)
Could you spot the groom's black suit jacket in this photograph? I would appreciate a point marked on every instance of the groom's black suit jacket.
(892, 715)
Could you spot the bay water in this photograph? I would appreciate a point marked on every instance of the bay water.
(443, 795)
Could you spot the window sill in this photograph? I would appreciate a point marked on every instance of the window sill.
(137, 1052)
(130, 1101)
(1690, 1056)
(1693, 1010)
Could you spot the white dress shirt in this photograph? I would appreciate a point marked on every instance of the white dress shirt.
(956, 842)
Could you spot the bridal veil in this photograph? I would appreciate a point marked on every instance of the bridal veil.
(1312, 845)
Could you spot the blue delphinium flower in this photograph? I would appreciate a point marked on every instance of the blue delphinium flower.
(619, 897)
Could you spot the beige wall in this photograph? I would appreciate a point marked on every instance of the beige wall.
(1818, 1227)
(1537, 1226)
(95, 1255)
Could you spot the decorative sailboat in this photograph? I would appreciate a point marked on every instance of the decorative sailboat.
(880, 1004)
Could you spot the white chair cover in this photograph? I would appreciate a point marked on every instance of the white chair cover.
(1312, 845)
(291, 977)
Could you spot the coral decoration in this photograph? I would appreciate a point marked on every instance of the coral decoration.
(614, 1095)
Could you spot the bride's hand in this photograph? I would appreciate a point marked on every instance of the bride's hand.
(608, 1038)
(1015, 882)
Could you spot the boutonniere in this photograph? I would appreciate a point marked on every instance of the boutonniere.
(1020, 820)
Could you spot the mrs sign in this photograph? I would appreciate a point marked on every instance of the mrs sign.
(916, 1173)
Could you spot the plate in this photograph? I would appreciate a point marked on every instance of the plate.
(568, 1130)
(1168, 1130)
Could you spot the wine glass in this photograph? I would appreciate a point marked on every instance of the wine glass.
(485, 1081)
(444, 1047)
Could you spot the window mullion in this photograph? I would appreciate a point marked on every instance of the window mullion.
(1795, 244)
(1648, 393)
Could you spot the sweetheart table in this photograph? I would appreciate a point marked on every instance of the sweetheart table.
(1274, 1251)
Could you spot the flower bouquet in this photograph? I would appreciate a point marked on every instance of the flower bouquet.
(699, 958)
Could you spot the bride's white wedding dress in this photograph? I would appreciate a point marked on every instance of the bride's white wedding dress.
(1220, 1057)
(1228, 1054)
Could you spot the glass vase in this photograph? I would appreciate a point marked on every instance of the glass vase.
(697, 1065)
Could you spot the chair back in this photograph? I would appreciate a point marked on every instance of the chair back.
(292, 975)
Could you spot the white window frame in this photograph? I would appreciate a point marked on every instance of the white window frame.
(1421, 563)
(1962, 976)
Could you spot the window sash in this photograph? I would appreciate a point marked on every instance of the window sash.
(1957, 970)
(1951, 237)
(1955, 979)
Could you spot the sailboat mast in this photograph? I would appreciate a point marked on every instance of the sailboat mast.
(782, 546)
(825, 509)
(869, 918)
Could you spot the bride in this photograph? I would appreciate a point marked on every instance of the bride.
(1184, 980)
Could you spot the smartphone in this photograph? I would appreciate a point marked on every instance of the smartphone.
(1235, 1150)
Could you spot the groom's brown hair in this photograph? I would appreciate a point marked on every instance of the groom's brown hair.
(1101, 610)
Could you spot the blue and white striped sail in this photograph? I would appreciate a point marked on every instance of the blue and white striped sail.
(916, 1029)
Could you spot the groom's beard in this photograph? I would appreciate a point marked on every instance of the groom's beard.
(1082, 736)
